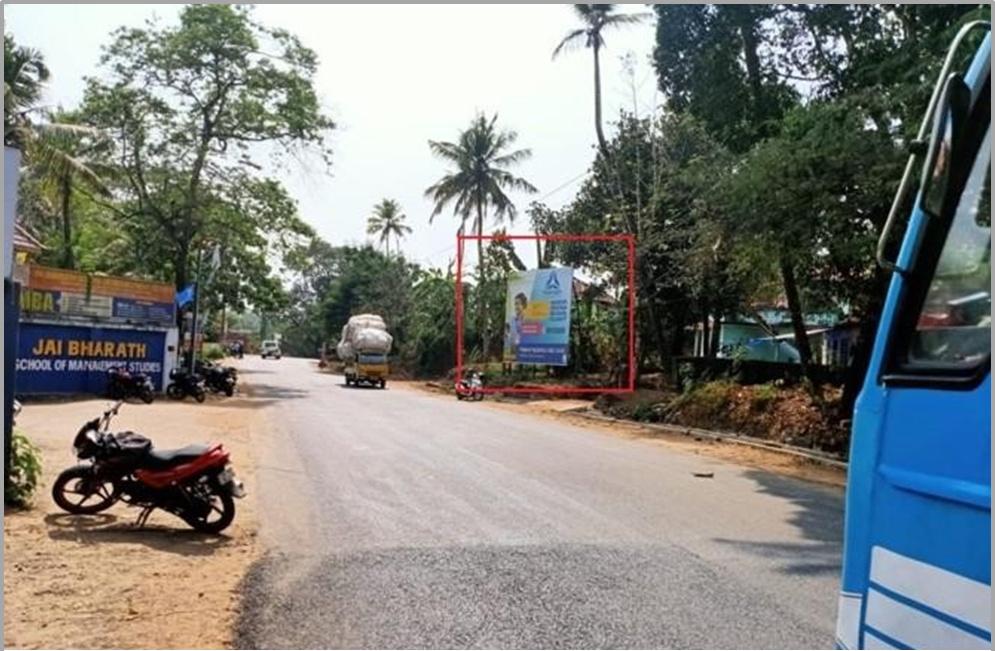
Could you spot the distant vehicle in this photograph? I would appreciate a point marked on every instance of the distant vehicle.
(271, 350)
(364, 348)
(472, 389)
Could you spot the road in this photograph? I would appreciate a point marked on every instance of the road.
(399, 519)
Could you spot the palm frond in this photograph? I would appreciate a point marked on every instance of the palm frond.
(572, 41)
(625, 20)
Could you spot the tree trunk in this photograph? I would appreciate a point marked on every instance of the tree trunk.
(715, 344)
(795, 309)
(68, 259)
(751, 55)
(599, 127)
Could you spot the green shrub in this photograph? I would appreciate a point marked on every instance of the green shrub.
(764, 396)
(25, 472)
(213, 352)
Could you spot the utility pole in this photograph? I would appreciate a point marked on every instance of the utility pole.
(196, 312)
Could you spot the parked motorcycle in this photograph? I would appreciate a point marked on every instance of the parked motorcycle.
(472, 389)
(218, 379)
(196, 483)
(183, 384)
(122, 385)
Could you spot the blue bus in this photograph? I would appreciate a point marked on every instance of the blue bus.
(917, 563)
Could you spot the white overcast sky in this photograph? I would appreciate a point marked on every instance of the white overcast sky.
(395, 76)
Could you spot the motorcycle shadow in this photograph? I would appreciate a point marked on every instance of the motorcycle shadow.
(106, 529)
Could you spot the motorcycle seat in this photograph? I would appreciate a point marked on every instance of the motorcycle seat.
(165, 459)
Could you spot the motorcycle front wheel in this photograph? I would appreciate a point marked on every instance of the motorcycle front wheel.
(199, 394)
(175, 392)
(79, 492)
(147, 396)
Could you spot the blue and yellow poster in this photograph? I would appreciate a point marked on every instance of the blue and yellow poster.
(537, 318)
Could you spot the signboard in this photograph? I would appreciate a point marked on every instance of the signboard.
(71, 293)
(74, 360)
(11, 174)
(537, 317)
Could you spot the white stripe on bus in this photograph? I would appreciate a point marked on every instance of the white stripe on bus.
(915, 628)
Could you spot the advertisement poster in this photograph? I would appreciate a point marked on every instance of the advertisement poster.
(537, 317)
(71, 293)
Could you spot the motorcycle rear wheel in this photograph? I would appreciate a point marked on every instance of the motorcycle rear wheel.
(199, 394)
(80, 482)
(220, 516)
(147, 396)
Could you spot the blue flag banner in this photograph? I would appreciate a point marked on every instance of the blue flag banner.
(185, 296)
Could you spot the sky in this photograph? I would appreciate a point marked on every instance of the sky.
(394, 77)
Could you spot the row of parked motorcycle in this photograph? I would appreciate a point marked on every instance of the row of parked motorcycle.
(206, 377)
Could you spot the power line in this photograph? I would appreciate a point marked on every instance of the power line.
(565, 185)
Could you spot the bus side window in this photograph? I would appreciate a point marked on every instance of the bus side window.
(954, 328)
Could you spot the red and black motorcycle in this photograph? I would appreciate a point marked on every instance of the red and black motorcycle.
(195, 483)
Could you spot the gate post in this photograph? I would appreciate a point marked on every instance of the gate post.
(10, 331)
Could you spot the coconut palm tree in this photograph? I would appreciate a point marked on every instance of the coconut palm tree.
(24, 78)
(596, 19)
(478, 182)
(62, 157)
(387, 221)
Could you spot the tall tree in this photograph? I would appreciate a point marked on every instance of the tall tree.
(388, 221)
(596, 20)
(24, 77)
(479, 182)
(190, 108)
(63, 156)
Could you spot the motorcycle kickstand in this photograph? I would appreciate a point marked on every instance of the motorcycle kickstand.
(143, 517)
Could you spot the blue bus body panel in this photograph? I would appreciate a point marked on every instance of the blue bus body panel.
(917, 567)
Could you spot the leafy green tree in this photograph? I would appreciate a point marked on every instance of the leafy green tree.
(188, 108)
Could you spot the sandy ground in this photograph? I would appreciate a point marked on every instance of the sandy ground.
(101, 582)
(771, 461)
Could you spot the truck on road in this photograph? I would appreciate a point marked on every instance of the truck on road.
(364, 351)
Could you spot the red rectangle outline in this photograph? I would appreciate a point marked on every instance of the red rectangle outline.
(630, 240)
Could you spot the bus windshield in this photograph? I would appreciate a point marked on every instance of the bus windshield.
(954, 326)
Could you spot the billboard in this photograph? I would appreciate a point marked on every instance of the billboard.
(71, 293)
(537, 317)
(54, 359)
(11, 173)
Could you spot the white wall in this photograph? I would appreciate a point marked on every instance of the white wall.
(11, 172)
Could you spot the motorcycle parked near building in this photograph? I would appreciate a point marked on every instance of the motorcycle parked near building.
(218, 379)
(183, 383)
(122, 385)
(196, 483)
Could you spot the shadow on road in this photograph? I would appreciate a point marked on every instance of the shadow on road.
(819, 518)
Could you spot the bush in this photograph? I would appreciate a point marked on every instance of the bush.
(213, 352)
(25, 472)
(764, 396)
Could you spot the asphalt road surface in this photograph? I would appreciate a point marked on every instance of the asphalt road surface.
(398, 519)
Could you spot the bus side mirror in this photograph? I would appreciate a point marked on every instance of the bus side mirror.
(948, 130)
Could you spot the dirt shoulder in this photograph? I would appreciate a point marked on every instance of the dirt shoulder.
(767, 460)
(101, 582)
